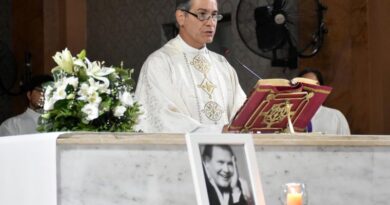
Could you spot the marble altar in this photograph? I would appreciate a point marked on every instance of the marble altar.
(118, 169)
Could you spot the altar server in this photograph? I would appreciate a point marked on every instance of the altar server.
(27, 122)
(326, 120)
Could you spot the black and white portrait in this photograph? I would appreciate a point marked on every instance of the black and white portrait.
(226, 174)
(224, 169)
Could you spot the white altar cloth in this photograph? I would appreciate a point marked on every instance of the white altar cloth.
(28, 169)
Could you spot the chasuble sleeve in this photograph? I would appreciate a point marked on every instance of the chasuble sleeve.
(238, 96)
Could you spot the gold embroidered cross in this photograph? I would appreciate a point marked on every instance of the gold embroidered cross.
(201, 64)
(208, 87)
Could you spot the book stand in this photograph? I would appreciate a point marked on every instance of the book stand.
(276, 109)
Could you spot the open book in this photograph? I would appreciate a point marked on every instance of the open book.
(271, 102)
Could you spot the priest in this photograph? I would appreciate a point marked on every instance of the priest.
(183, 86)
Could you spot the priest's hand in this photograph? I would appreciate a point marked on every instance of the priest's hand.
(225, 128)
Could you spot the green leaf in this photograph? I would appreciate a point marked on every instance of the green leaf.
(82, 55)
(82, 75)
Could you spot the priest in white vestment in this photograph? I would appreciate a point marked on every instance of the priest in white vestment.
(183, 86)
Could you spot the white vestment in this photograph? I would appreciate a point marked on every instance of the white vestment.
(330, 121)
(184, 89)
(25, 123)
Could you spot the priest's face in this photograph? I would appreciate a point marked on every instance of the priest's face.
(220, 166)
(194, 31)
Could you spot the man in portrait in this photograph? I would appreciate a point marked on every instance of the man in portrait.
(224, 186)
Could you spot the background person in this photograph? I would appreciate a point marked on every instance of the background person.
(183, 86)
(224, 186)
(326, 120)
(27, 122)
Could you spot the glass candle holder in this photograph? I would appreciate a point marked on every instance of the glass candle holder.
(294, 194)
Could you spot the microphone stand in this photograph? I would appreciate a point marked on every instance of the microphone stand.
(227, 51)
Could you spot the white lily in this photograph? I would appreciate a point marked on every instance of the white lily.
(64, 61)
(49, 104)
(119, 111)
(88, 91)
(94, 98)
(91, 110)
(97, 71)
(48, 91)
(83, 92)
(79, 62)
(49, 101)
(73, 81)
(60, 93)
(101, 87)
(126, 99)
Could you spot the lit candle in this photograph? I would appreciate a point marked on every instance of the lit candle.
(294, 199)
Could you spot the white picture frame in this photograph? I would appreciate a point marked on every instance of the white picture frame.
(202, 167)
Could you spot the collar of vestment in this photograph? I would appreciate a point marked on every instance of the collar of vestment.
(32, 112)
(189, 49)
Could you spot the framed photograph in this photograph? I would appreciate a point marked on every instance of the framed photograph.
(224, 169)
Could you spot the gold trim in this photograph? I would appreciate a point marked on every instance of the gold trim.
(257, 113)
(316, 90)
(264, 90)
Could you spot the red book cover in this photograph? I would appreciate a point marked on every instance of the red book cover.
(269, 104)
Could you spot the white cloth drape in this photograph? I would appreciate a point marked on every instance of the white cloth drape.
(28, 169)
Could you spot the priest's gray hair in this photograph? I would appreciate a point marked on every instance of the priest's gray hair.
(183, 5)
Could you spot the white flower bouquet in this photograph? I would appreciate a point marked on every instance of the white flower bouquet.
(88, 96)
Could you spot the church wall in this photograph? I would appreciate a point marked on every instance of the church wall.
(54, 30)
(379, 44)
(22, 31)
(354, 62)
(343, 60)
(5, 43)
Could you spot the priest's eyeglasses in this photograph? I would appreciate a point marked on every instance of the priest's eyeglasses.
(205, 16)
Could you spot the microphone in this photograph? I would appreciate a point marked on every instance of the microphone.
(227, 54)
